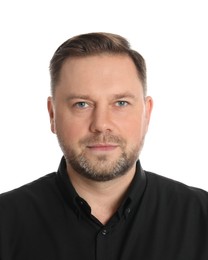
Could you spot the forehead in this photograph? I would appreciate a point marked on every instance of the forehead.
(101, 63)
(101, 72)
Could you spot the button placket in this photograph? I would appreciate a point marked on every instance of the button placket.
(104, 244)
(104, 232)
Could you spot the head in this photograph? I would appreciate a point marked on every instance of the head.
(99, 109)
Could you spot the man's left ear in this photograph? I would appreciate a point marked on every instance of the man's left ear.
(148, 109)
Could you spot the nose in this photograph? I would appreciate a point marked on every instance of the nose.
(101, 120)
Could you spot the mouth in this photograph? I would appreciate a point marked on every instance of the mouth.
(102, 147)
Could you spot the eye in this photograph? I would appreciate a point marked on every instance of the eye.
(121, 103)
(81, 104)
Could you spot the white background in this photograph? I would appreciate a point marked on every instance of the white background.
(171, 35)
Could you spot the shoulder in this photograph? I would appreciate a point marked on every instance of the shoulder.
(167, 185)
(28, 192)
(173, 192)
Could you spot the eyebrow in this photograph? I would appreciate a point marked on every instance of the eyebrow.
(71, 97)
(124, 95)
(115, 96)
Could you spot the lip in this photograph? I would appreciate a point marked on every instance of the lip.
(102, 147)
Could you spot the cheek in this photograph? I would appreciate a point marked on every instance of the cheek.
(70, 130)
(133, 128)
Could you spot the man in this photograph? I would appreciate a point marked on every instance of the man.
(101, 204)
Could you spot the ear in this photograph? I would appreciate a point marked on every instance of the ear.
(148, 110)
(50, 105)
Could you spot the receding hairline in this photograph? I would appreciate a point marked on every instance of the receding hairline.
(100, 54)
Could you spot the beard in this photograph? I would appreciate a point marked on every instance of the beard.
(102, 168)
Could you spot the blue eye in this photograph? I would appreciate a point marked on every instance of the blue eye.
(121, 103)
(81, 104)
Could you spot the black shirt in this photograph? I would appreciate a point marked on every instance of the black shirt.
(159, 219)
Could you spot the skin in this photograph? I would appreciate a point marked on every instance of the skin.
(99, 110)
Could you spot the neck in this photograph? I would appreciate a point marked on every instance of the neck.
(101, 196)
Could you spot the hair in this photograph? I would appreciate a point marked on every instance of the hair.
(94, 44)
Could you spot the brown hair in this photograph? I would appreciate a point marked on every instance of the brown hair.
(94, 44)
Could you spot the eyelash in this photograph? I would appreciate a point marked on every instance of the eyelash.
(80, 104)
(84, 104)
(122, 103)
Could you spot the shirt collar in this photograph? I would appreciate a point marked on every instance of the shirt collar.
(132, 198)
(135, 192)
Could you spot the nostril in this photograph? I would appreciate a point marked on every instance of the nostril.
(99, 128)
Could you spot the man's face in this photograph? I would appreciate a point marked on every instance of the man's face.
(100, 115)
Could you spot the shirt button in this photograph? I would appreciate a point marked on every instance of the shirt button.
(104, 232)
(128, 210)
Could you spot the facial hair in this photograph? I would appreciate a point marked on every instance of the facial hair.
(102, 168)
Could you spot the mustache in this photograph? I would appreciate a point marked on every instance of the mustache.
(104, 138)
